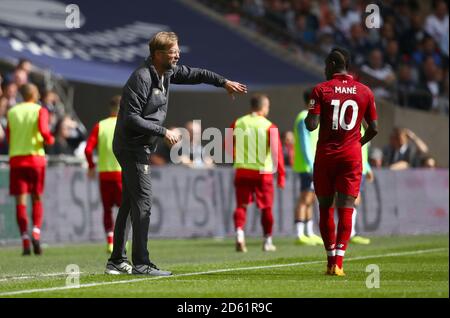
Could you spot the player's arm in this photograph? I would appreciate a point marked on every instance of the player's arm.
(312, 121)
(276, 150)
(370, 117)
(371, 131)
(313, 118)
(90, 146)
(43, 127)
(230, 142)
(190, 75)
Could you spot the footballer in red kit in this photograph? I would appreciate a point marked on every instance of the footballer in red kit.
(339, 105)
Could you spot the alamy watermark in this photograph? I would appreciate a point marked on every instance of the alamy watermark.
(256, 147)
(373, 279)
(73, 16)
(73, 276)
(373, 20)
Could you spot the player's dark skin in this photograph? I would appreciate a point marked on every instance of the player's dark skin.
(312, 122)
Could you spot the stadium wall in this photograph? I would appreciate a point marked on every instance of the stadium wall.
(200, 203)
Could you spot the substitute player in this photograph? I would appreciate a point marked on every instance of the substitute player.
(339, 104)
(257, 150)
(109, 169)
(27, 131)
(305, 148)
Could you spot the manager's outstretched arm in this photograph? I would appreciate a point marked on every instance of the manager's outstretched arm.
(191, 75)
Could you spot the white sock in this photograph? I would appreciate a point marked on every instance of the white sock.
(300, 225)
(309, 228)
(268, 240)
(240, 237)
(353, 233)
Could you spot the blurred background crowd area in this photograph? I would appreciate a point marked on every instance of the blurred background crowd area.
(70, 133)
(405, 60)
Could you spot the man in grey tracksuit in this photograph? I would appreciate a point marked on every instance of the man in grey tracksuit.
(143, 109)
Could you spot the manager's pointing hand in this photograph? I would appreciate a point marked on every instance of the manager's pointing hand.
(235, 87)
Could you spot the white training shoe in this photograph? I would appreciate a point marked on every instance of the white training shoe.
(269, 247)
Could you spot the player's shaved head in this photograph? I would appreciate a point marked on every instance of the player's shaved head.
(344, 53)
(29, 92)
(257, 101)
(337, 61)
(260, 103)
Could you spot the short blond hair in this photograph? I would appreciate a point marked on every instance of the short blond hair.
(162, 41)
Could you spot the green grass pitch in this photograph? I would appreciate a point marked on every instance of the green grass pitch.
(409, 266)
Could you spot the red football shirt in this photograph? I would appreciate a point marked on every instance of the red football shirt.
(342, 103)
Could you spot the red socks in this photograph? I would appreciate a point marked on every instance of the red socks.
(328, 231)
(22, 221)
(267, 221)
(239, 217)
(109, 237)
(343, 235)
(335, 246)
(22, 218)
(37, 216)
(108, 222)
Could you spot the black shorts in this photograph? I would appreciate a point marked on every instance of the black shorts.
(306, 182)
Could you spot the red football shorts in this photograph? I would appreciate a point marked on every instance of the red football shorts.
(261, 188)
(331, 176)
(111, 193)
(23, 180)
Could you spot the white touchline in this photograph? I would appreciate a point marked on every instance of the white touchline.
(29, 291)
(38, 275)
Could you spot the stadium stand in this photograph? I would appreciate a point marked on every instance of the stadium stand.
(406, 60)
